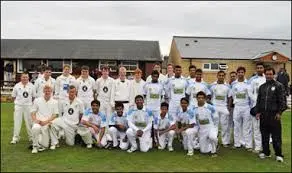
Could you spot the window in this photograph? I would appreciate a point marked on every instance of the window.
(111, 64)
(131, 66)
(28, 65)
(57, 65)
(214, 66)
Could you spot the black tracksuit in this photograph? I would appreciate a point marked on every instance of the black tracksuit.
(271, 100)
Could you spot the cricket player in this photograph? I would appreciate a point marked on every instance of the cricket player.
(187, 125)
(104, 86)
(164, 128)
(62, 86)
(175, 89)
(161, 77)
(241, 94)
(121, 90)
(220, 92)
(232, 78)
(43, 112)
(140, 123)
(192, 74)
(45, 80)
(118, 126)
(136, 86)
(72, 110)
(170, 71)
(205, 115)
(23, 94)
(255, 83)
(197, 86)
(85, 86)
(93, 124)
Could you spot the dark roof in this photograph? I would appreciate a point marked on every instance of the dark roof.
(81, 49)
(228, 47)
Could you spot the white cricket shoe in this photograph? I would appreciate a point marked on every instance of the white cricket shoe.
(13, 141)
(190, 153)
(170, 149)
(53, 147)
(263, 156)
(131, 150)
(160, 148)
(279, 159)
(89, 146)
(41, 149)
(34, 150)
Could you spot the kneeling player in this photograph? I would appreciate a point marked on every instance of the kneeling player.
(204, 113)
(118, 127)
(93, 124)
(187, 125)
(164, 127)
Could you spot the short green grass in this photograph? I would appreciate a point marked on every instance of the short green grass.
(19, 158)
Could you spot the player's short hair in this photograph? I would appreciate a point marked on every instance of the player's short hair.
(199, 70)
(25, 73)
(192, 66)
(47, 68)
(119, 104)
(233, 72)
(47, 86)
(164, 104)
(269, 68)
(156, 63)
(139, 96)
(122, 68)
(84, 67)
(241, 68)
(177, 66)
(105, 67)
(72, 87)
(95, 102)
(67, 65)
(169, 64)
(184, 99)
(138, 71)
(260, 63)
(201, 93)
(221, 71)
(154, 72)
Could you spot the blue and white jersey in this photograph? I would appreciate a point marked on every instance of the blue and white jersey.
(241, 93)
(140, 119)
(255, 82)
(204, 114)
(194, 88)
(118, 120)
(163, 123)
(153, 92)
(220, 93)
(187, 117)
(175, 89)
(98, 119)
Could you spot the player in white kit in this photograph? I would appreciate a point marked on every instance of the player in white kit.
(104, 86)
(175, 89)
(241, 94)
(255, 83)
(121, 90)
(192, 74)
(186, 125)
(92, 126)
(23, 94)
(204, 114)
(220, 92)
(164, 128)
(118, 126)
(62, 86)
(44, 110)
(72, 110)
(140, 123)
(85, 85)
(136, 86)
(46, 79)
(161, 77)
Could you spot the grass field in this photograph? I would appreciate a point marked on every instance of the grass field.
(19, 158)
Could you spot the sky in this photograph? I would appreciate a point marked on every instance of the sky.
(144, 20)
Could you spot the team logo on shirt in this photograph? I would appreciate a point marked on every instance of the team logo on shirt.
(25, 94)
(105, 89)
(84, 88)
(70, 111)
(273, 88)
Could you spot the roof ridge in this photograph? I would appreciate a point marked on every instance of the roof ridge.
(77, 40)
(239, 38)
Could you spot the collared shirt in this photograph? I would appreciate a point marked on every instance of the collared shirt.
(104, 89)
(161, 79)
(220, 93)
(72, 111)
(187, 117)
(241, 93)
(23, 94)
(136, 88)
(204, 114)
(62, 85)
(194, 88)
(140, 119)
(98, 119)
(175, 88)
(85, 87)
(118, 120)
(121, 90)
(153, 92)
(255, 83)
(163, 123)
(41, 82)
(45, 109)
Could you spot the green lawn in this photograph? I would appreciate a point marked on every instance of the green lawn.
(19, 158)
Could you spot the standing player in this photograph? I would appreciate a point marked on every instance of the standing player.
(170, 71)
(46, 79)
(220, 92)
(23, 94)
(164, 128)
(140, 123)
(192, 74)
(85, 86)
(44, 110)
(72, 110)
(136, 86)
(161, 77)
(241, 94)
(255, 83)
(118, 126)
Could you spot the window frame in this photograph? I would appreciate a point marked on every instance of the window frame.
(130, 65)
(101, 63)
(210, 65)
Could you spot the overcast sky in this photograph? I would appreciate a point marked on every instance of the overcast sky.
(144, 20)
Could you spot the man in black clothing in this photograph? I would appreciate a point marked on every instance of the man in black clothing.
(283, 77)
(271, 103)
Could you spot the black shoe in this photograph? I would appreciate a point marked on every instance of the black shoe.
(108, 145)
(30, 147)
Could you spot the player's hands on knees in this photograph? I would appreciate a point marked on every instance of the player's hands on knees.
(139, 133)
(95, 129)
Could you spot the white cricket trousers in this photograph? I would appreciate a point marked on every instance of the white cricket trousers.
(166, 138)
(106, 108)
(20, 110)
(224, 124)
(41, 135)
(145, 140)
(59, 124)
(242, 125)
(188, 138)
(173, 108)
(86, 102)
(117, 135)
(208, 138)
(257, 136)
(86, 134)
